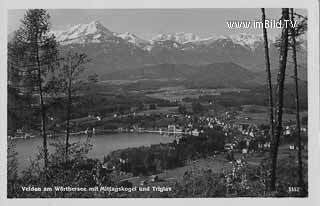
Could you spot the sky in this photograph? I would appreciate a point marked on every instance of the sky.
(146, 23)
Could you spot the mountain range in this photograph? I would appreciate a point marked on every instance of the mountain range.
(113, 53)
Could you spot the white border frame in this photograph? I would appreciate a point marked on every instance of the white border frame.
(313, 93)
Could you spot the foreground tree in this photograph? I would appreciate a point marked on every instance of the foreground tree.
(295, 32)
(279, 98)
(269, 82)
(71, 67)
(37, 52)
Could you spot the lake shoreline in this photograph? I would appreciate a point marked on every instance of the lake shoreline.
(102, 145)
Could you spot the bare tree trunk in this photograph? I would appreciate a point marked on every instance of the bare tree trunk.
(68, 118)
(269, 82)
(279, 95)
(42, 109)
(294, 57)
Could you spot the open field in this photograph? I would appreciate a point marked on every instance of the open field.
(159, 110)
(253, 114)
(179, 93)
(216, 164)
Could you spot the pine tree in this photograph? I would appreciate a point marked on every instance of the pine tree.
(279, 98)
(269, 82)
(36, 51)
(293, 45)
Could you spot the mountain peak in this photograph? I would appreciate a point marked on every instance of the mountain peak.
(93, 32)
(97, 25)
(179, 37)
(250, 41)
(132, 38)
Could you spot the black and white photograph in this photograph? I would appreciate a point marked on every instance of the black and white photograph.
(157, 103)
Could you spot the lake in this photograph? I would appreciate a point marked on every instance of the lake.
(102, 145)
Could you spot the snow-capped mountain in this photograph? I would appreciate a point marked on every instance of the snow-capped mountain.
(111, 51)
(132, 38)
(181, 38)
(94, 32)
(247, 40)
